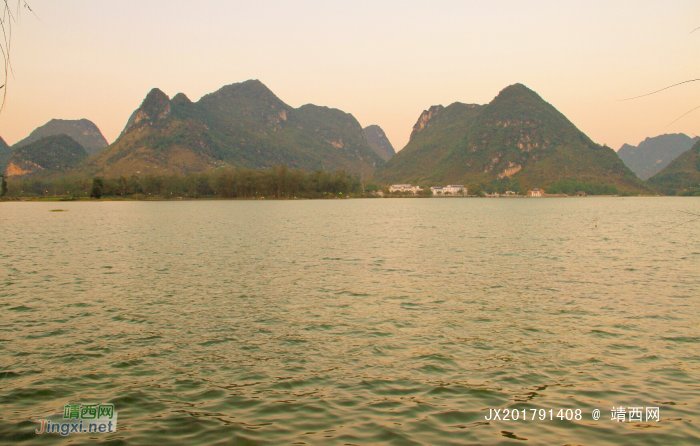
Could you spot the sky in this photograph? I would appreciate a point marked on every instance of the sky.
(383, 61)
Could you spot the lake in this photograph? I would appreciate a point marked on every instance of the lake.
(368, 321)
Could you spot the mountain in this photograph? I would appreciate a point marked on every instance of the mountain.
(5, 154)
(49, 154)
(85, 132)
(437, 131)
(681, 175)
(517, 140)
(155, 106)
(240, 125)
(653, 154)
(152, 142)
(377, 140)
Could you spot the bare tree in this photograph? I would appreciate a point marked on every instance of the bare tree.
(10, 14)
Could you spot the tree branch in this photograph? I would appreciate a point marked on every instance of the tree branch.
(6, 43)
(684, 114)
(654, 92)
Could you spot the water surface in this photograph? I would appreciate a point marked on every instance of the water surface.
(387, 322)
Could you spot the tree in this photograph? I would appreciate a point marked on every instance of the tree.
(123, 185)
(3, 186)
(97, 188)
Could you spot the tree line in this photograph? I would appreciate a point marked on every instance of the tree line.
(279, 182)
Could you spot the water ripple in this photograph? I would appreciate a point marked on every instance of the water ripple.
(393, 322)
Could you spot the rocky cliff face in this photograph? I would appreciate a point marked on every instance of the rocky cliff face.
(156, 106)
(425, 118)
(83, 131)
(377, 140)
(14, 170)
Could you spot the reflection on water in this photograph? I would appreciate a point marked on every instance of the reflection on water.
(393, 322)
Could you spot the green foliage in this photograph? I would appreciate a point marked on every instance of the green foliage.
(682, 175)
(477, 189)
(83, 131)
(421, 159)
(3, 186)
(97, 188)
(505, 184)
(67, 184)
(5, 154)
(279, 182)
(52, 153)
(571, 187)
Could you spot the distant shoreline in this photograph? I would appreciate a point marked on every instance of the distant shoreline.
(92, 200)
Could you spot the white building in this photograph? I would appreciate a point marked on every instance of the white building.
(437, 190)
(454, 189)
(404, 188)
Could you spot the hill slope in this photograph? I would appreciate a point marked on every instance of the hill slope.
(83, 131)
(653, 154)
(54, 153)
(377, 140)
(681, 175)
(518, 139)
(241, 125)
(5, 154)
(154, 143)
(437, 131)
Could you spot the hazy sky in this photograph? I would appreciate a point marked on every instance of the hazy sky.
(382, 61)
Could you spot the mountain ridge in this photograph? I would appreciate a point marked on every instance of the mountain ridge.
(54, 153)
(654, 153)
(240, 125)
(378, 141)
(83, 131)
(682, 175)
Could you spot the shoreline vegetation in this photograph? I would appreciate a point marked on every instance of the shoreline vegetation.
(154, 199)
(343, 197)
(278, 183)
